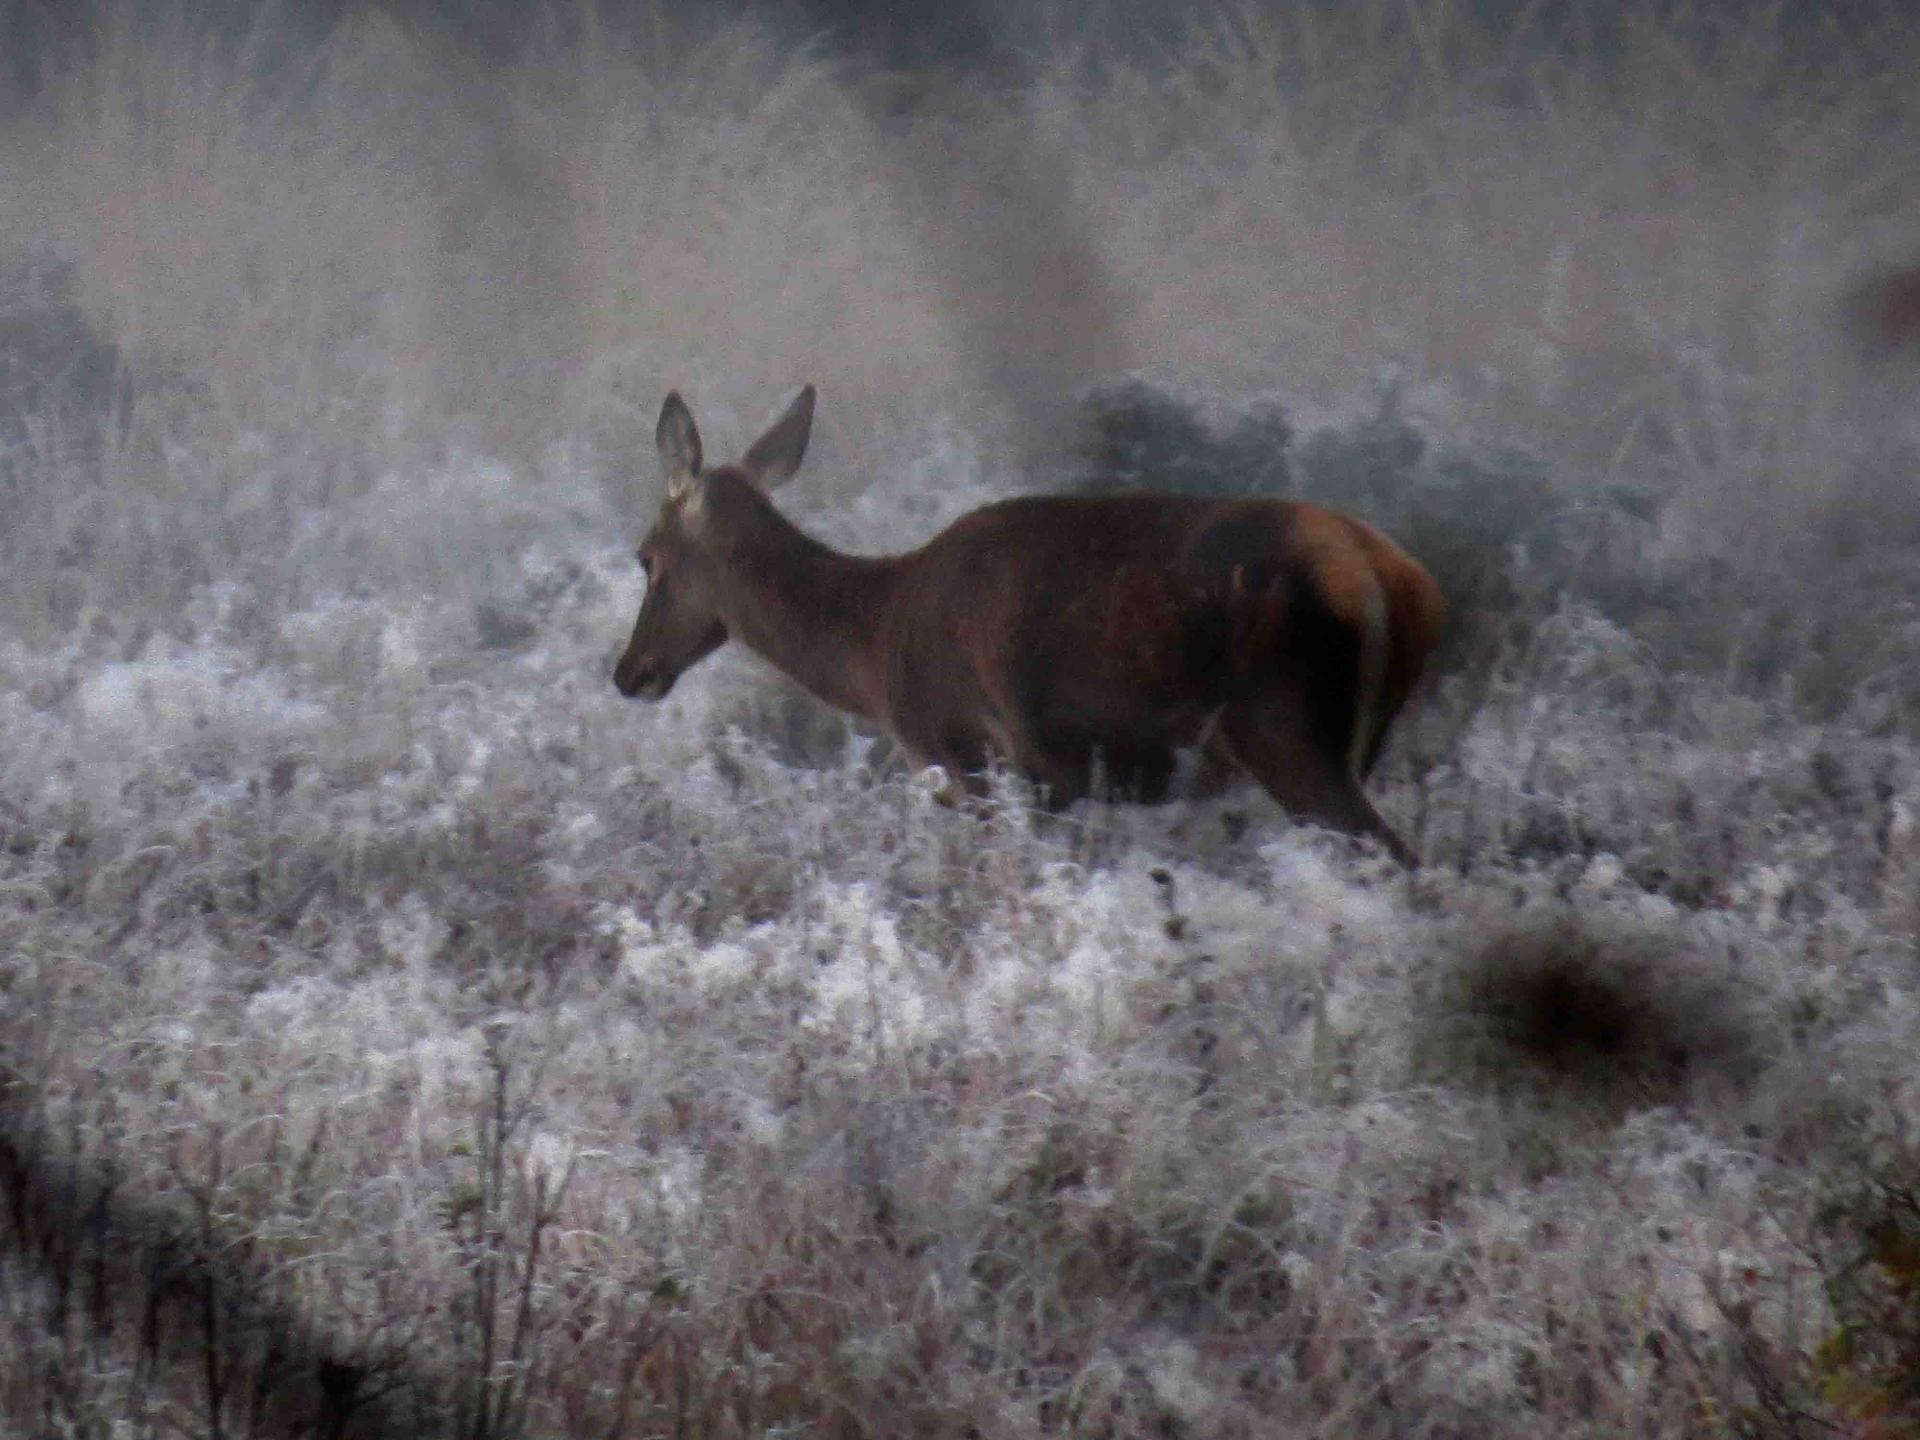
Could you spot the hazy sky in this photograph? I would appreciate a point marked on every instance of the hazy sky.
(899, 31)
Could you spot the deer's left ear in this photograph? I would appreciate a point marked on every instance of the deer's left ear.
(678, 440)
(777, 454)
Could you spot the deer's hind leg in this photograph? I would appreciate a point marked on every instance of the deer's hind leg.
(1278, 743)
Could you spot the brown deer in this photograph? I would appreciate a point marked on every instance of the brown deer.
(1067, 637)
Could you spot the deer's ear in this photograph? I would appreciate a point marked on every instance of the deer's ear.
(678, 439)
(777, 454)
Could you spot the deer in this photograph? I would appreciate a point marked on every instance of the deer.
(1074, 640)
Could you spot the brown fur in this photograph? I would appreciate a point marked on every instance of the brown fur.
(1059, 634)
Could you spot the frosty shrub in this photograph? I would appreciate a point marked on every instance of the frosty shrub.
(1867, 1246)
(1139, 437)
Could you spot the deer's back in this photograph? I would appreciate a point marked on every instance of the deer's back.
(1140, 615)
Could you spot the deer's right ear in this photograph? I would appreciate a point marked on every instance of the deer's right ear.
(678, 439)
(777, 454)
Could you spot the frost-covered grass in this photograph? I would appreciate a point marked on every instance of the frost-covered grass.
(400, 1033)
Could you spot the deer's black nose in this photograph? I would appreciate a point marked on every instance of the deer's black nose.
(630, 680)
(643, 681)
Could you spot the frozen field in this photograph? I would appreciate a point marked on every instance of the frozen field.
(399, 1028)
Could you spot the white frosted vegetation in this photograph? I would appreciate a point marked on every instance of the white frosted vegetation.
(1203, 1110)
(333, 870)
(1200, 1108)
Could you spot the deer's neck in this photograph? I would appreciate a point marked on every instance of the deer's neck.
(813, 613)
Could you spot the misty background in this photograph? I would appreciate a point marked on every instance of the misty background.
(401, 1034)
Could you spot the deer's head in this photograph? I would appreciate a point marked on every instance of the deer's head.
(687, 555)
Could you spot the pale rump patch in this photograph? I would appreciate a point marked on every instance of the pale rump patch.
(1373, 678)
(1352, 590)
